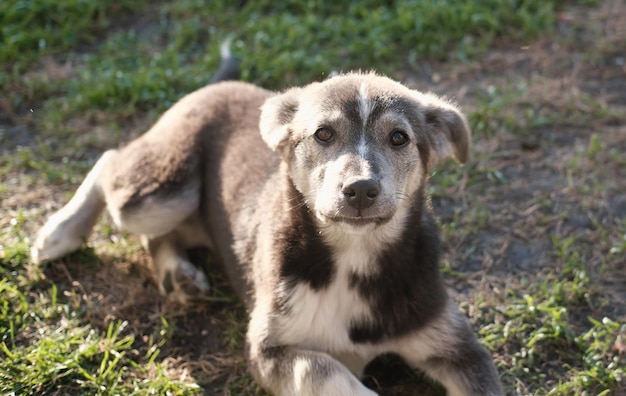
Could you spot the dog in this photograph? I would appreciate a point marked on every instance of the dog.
(315, 202)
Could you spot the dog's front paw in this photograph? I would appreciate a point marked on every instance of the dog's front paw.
(326, 377)
(183, 283)
(55, 239)
(345, 385)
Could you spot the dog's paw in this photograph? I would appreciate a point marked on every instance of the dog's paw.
(183, 283)
(346, 386)
(55, 239)
(334, 379)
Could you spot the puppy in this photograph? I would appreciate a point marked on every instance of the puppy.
(315, 202)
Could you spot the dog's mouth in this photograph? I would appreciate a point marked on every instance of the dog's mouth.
(358, 221)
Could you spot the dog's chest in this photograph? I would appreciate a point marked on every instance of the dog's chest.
(321, 319)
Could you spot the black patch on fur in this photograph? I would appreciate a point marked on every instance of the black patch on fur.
(389, 370)
(351, 109)
(168, 284)
(407, 291)
(424, 150)
(418, 118)
(433, 116)
(304, 256)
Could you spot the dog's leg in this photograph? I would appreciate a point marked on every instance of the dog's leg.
(287, 370)
(147, 193)
(177, 277)
(449, 353)
(168, 224)
(68, 228)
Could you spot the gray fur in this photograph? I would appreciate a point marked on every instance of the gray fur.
(327, 236)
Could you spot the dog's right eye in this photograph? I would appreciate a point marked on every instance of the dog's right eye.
(324, 135)
(398, 138)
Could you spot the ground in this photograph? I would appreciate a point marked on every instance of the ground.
(534, 226)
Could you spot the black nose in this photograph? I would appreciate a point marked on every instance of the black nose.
(361, 194)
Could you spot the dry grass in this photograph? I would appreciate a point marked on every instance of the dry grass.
(534, 225)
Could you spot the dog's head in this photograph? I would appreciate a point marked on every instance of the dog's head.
(358, 147)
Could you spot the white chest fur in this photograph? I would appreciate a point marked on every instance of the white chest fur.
(321, 319)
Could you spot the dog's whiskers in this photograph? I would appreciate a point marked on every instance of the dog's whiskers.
(402, 196)
(298, 202)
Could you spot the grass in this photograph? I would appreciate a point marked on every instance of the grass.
(32, 28)
(533, 226)
(48, 350)
(150, 67)
(550, 343)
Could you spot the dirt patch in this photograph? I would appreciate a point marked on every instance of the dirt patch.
(529, 188)
(123, 289)
(547, 188)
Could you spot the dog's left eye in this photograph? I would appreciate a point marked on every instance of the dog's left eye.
(324, 135)
(398, 138)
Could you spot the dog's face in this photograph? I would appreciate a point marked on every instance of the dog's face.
(359, 146)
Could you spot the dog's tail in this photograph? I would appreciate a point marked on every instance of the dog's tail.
(229, 67)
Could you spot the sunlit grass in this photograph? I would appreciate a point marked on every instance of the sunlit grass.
(84, 77)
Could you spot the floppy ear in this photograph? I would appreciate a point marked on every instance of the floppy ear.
(276, 114)
(448, 132)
